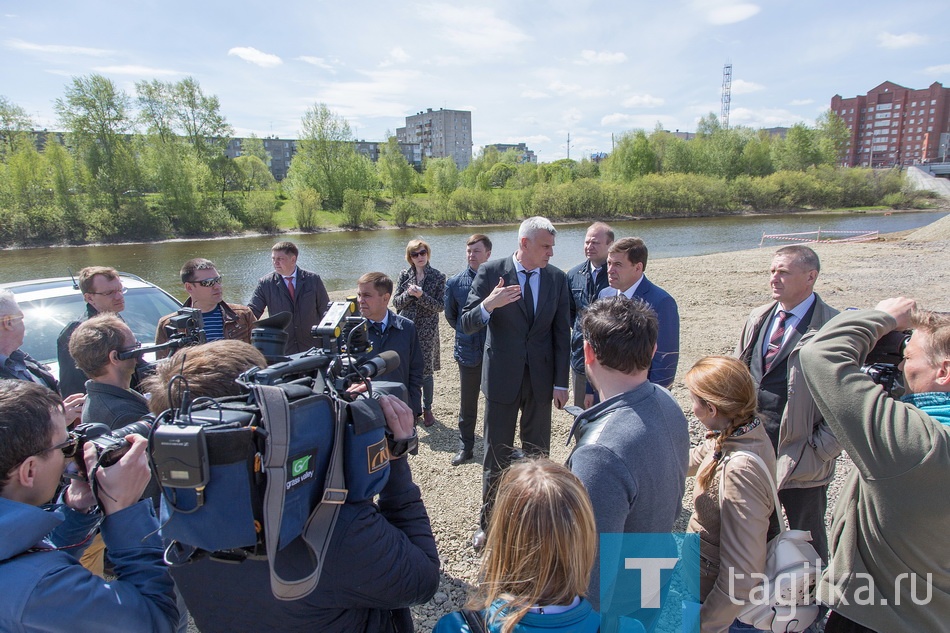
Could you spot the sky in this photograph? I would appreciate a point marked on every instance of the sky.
(530, 72)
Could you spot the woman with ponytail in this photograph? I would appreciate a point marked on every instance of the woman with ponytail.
(734, 533)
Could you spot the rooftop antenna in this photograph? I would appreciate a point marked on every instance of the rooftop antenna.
(726, 95)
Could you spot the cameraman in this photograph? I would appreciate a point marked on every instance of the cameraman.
(890, 565)
(44, 588)
(382, 556)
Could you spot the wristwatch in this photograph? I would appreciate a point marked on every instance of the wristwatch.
(399, 448)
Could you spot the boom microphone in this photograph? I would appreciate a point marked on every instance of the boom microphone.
(383, 364)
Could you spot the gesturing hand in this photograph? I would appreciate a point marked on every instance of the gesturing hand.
(502, 295)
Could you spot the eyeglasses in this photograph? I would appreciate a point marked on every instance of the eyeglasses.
(418, 254)
(209, 283)
(122, 290)
(68, 447)
(137, 345)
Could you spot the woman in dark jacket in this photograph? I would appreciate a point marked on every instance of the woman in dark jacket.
(419, 297)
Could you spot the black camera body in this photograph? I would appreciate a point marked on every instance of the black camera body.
(184, 328)
(884, 359)
(110, 445)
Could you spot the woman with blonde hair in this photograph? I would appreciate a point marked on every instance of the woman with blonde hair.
(420, 296)
(732, 499)
(542, 539)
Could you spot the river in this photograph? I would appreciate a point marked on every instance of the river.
(340, 257)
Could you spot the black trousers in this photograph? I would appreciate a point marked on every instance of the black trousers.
(837, 623)
(805, 509)
(500, 422)
(470, 379)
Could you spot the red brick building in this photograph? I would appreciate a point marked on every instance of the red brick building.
(894, 125)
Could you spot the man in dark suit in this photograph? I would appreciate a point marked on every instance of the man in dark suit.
(15, 364)
(626, 263)
(291, 289)
(525, 304)
(805, 446)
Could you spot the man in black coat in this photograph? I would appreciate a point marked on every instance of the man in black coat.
(525, 304)
(291, 289)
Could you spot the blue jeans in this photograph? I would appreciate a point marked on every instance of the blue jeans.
(742, 627)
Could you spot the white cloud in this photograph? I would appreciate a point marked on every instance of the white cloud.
(601, 57)
(131, 69)
(534, 94)
(475, 30)
(561, 88)
(254, 56)
(763, 117)
(397, 55)
(721, 12)
(57, 49)
(572, 116)
(380, 95)
(642, 101)
(621, 121)
(801, 102)
(904, 40)
(319, 62)
(937, 70)
(743, 87)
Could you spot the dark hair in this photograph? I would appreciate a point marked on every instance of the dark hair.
(25, 422)
(192, 266)
(210, 370)
(87, 274)
(634, 248)
(479, 237)
(804, 256)
(93, 341)
(622, 333)
(380, 281)
(287, 247)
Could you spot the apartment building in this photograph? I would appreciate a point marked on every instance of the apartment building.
(894, 125)
(442, 133)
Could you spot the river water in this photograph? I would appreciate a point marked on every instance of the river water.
(341, 257)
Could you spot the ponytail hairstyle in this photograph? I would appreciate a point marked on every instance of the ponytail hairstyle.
(725, 383)
(542, 539)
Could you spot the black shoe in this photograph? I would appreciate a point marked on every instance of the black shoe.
(478, 541)
(461, 457)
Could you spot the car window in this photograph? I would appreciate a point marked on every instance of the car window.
(46, 318)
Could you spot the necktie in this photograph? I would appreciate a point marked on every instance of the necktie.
(290, 286)
(528, 294)
(775, 342)
(378, 327)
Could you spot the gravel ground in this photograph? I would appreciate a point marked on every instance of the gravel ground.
(715, 294)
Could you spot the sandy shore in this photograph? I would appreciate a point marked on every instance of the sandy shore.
(715, 294)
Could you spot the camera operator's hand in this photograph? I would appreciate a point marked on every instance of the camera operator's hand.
(122, 484)
(901, 309)
(78, 496)
(399, 417)
(73, 407)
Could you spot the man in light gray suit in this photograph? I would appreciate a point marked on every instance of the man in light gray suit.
(525, 304)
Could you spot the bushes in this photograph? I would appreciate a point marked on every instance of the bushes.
(358, 210)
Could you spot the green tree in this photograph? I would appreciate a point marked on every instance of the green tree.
(756, 155)
(14, 123)
(253, 145)
(394, 170)
(833, 137)
(632, 158)
(798, 151)
(253, 174)
(441, 176)
(95, 114)
(326, 159)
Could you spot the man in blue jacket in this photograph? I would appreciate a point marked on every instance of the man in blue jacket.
(45, 588)
(469, 348)
(626, 263)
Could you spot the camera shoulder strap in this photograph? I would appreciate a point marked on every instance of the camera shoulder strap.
(276, 410)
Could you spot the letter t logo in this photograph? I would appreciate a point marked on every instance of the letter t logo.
(650, 584)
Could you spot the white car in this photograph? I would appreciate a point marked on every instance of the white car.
(50, 304)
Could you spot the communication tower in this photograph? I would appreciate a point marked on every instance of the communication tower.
(726, 95)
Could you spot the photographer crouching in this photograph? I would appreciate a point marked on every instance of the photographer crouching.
(381, 557)
(44, 587)
(890, 565)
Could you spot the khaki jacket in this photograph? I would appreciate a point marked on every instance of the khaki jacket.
(807, 447)
(747, 506)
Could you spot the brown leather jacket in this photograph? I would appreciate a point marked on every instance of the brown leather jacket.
(238, 322)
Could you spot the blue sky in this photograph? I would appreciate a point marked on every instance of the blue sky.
(530, 72)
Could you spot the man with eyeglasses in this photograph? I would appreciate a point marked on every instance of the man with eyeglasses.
(205, 290)
(292, 289)
(102, 290)
(44, 586)
(16, 364)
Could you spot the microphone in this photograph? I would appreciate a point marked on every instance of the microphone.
(383, 364)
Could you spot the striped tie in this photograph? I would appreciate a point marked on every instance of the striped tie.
(775, 342)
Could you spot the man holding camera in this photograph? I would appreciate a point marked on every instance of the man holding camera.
(381, 557)
(44, 586)
(95, 346)
(890, 565)
(205, 288)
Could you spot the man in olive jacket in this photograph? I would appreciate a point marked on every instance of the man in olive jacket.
(890, 569)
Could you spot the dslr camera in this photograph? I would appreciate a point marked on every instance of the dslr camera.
(884, 359)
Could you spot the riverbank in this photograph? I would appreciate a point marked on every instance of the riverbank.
(715, 294)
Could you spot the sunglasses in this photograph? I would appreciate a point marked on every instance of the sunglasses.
(418, 253)
(209, 283)
(68, 447)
